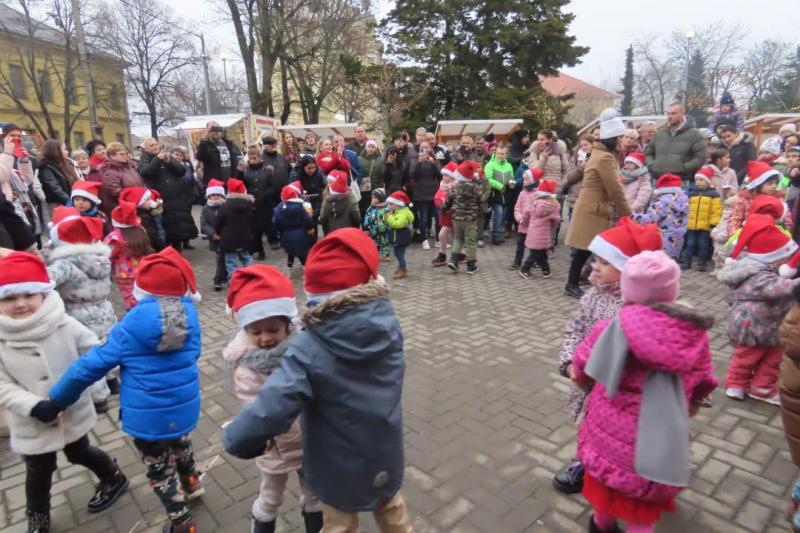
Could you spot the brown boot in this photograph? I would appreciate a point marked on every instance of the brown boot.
(400, 273)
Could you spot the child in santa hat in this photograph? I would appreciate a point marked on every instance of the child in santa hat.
(156, 345)
(352, 420)
(79, 265)
(649, 370)
(530, 180)
(445, 220)
(263, 304)
(215, 197)
(670, 211)
(719, 235)
(375, 223)
(129, 244)
(485, 192)
(705, 211)
(294, 224)
(465, 205)
(339, 206)
(148, 209)
(401, 223)
(612, 249)
(85, 197)
(761, 179)
(234, 225)
(759, 299)
(39, 341)
(636, 182)
(540, 219)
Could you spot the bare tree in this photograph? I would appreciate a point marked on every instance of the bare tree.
(763, 63)
(656, 80)
(147, 36)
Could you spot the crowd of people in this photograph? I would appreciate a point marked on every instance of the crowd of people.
(643, 204)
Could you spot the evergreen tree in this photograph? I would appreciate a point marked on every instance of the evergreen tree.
(783, 95)
(478, 63)
(626, 105)
(696, 97)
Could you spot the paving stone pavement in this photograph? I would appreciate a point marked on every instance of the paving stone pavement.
(485, 427)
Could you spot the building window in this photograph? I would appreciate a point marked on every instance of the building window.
(16, 78)
(45, 87)
(121, 138)
(80, 139)
(115, 98)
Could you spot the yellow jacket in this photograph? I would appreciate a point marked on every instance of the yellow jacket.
(705, 209)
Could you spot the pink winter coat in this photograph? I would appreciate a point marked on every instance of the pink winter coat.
(287, 454)
(638, 189)
(666, 337)
(523, 201)
(540, 218)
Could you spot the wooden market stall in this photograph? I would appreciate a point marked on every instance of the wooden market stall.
(632, 121)
(767, 125)
(453, 130)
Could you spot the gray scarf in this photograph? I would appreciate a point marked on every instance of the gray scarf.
(259, 360)
(662, 437)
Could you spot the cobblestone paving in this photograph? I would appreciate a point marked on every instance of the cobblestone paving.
(484, 421)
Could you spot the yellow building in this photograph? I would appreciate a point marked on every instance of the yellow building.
(33, 72)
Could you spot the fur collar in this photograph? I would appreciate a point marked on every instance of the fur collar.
(683, 311)
(242, 195)
(70, 250)
(348, 299)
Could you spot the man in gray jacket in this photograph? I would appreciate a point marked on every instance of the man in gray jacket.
(678, 147)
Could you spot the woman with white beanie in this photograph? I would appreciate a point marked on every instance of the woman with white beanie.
(601, 193)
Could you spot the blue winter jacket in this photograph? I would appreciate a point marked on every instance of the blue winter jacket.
(345, 374)
(293, 223)
(156, 346)
(356, 170)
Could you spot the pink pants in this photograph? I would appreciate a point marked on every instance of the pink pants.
(607, 523)
(754, 367)
(125, 286)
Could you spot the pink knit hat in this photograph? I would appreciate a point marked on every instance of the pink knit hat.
(650, 277)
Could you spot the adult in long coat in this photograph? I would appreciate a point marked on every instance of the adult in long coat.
(601, 192)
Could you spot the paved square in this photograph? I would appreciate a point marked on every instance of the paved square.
(484, 420)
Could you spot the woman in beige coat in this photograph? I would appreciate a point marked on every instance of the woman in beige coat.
(601, 192)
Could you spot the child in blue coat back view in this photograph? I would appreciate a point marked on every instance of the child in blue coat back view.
(156, 346)
(344, 373)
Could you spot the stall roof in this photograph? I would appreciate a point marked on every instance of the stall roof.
(198, 122)
(348, 130)
(772, 121)
(632, 120)
(457, 128)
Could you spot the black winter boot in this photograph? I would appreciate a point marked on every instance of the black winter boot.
(258, 526)
(107, 493)
(313, 521)
(594, 529)
(569, 480)
(38, 522)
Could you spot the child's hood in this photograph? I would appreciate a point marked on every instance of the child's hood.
(734, 273)
(91, 259)
(666, 336)
(341, 201)
(238, 203)
(542, 208)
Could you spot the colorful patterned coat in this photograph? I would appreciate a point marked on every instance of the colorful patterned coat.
(669, 209)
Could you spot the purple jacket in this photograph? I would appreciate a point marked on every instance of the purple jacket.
(669, 209)
(759, 300)
(540, 218)
(666, 337)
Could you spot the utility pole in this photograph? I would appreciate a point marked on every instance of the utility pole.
(205, 72)
(86, 72)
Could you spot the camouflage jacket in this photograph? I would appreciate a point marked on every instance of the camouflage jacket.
(464, 202)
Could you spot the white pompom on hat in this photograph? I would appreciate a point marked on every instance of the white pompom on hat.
(610, 124)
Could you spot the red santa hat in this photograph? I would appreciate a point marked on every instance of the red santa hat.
(763, 241)
(138, 196)
(215, 187)
(669, 183)
(236, 186)
(450, 169)
(260, 291)
(339, 184)
(758, 172)
(23, 273)
(535, 174)
(343, 259)
(293, 191)
(546, 188)
(124, 216)
(765, 204)
(87, 189)
(788, 270)
(466, 170)
(399, 198)
(166, 273)
(636, 158)
(63, 213)
(705, 173)
(80, 230)
(625, 240)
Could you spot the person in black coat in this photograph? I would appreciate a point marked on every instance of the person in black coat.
(219, 156)
(166, 174)
(425, 176)
(392, 172)
(281, 169)
(314, 183)
(741, 148)
(260, 181)
(234, 225)
(15, 234)
(56, 174)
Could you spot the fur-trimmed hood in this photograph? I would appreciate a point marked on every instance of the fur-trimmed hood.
(358, 324)
(91, 259)
(735, 272)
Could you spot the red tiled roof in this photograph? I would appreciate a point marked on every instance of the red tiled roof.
(564, 84)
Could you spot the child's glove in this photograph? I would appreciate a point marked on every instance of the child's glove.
(45, 411)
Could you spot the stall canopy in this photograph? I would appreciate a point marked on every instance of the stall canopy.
(243, 129)
(198, 122)
(766, 125)
(633, 121)
(447, 130)
(348, 131)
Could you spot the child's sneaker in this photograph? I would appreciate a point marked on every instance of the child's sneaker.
(735, 393)
(764, 395)
(192, 487)
(439, 260)
(426, 245)
(453, 263)
(481, 244)
(545, 275)
(472, 267)
(525, 273)
(514, 266)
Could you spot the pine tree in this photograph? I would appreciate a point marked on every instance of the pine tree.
(626, 105)
(697, 99)
(783, 95)
(477, 63)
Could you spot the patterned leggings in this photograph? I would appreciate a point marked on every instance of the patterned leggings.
(162, 458)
